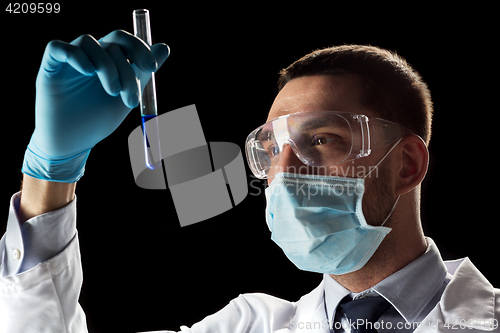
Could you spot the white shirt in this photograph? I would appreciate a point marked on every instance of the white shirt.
(44, 297)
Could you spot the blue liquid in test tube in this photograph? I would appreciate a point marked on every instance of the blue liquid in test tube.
(149, 113)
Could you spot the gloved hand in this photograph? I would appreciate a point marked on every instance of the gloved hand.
(84, 91)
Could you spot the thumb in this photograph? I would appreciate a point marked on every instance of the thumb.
(161, 52)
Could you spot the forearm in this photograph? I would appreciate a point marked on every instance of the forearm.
(41, 196)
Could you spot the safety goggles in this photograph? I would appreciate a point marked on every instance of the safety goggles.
(318, 138)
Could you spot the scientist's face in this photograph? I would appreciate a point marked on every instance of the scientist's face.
(337, 93)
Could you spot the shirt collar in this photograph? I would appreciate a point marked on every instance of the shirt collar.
(334, 293)
(409, 290)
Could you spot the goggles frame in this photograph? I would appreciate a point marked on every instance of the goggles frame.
(368, 134)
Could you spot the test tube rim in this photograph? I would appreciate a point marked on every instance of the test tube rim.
(141, 11)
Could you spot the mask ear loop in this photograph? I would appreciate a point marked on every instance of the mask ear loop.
(376, 166)
(392, 210)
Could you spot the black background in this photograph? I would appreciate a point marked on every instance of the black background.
(142, 271)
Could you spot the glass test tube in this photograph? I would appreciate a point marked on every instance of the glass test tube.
(142, 30)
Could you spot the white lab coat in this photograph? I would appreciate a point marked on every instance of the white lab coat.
(45, 299)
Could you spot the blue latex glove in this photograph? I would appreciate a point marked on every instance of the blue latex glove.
(84, 91)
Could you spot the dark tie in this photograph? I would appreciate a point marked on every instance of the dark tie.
(367, 310)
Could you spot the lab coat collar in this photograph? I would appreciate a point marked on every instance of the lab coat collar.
(310, 314)
(468, 301)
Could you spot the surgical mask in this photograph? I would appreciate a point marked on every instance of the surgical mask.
(318, 221)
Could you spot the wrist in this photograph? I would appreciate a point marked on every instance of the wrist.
(66, 169)
(40, 196)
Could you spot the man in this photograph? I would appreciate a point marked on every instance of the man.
(344, 151)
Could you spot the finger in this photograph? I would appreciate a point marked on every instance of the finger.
(136, 50)
(128, 81)
(106, 68)
(161, 53)
(57, 53)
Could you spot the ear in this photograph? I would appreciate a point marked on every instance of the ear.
(414, 160)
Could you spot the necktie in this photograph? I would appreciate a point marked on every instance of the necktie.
(364, 312)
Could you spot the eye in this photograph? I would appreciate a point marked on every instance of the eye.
(267, 148)
(322, 139)
(273, 150)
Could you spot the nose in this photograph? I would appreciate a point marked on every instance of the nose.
(289, 162)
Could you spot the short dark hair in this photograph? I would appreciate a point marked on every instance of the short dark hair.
(392, 88)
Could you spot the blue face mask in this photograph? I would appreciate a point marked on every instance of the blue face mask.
(318, 222)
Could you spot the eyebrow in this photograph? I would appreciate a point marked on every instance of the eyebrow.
(319, 123)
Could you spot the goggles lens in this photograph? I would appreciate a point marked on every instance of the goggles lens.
(318, 138)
